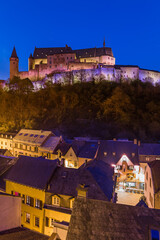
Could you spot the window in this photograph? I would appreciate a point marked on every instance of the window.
(151, 199)
(38, 203)
(17, 194)
(147, 158)
(155, 234)
(105, 153)
(26, 134)
(28, 217)
(23, 198)
(30, 201)
(114, 154)
(147, 176)
(36, 221)
(52, 222)
(133, 154)
(35, 135)
(56, 201)
(47, 222)
(150, 182)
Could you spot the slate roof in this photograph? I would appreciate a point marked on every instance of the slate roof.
(92, 220)
(33, 172)
(14, 53)
(88, 150)
(44, 52)
(50, 144)
(149, 149)
(119, 148)
(97, 175)
(155, 172)
(6, 164)
(36, 137)
(80, 53)
(93, 52)
(22, 233)
(63, 147)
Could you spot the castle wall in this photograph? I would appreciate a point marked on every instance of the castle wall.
(150, 76)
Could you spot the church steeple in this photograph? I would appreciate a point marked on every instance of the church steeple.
(14, 53)
(104, 43)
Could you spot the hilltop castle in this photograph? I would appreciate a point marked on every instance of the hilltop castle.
(55, 63)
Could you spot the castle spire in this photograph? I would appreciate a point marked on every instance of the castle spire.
(14, 53)
(104, 43)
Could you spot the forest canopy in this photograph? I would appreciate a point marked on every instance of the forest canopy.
(100, 110)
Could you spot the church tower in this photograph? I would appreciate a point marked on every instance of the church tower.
(14, 61)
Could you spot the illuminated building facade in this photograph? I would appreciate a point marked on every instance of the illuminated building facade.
(67, 66)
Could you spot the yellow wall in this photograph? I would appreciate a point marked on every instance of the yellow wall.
(34, 193)
(37, 62)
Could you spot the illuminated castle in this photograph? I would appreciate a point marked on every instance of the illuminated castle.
(58, 64)
(45, 61)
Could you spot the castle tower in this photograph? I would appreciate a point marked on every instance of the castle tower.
(14, 61)
(30, 62)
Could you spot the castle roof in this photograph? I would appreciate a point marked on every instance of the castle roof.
(14, 53)
(93, 52)
(44, 52)
(80, 53)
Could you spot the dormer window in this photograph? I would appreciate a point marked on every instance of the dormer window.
(133, 154)
(105, 153)
(56, 201)
(114, 154)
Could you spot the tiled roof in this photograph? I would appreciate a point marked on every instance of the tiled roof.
(95, 174)
(92, 220)
(22, 233)
(155, 171)
(93, 52)
(33, 172)
(44, 52)
(88, 150)
(107, 149)
(149, 149)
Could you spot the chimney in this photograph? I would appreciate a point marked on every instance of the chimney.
(82, 191)
(135, 141)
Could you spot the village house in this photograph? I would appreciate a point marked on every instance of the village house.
(123, 156)
(152, 184)
(34, 143)
(48, 190)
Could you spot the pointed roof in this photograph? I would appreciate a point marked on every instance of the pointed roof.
(14, 53)
(31, 56)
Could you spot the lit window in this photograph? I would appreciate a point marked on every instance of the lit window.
(56, 201)
(38, 203)
(133, 154)
(114, 154)
(105, 153)
(28, 217)
(71, 203)
(36, 222)
(147, 158)
(28, 200)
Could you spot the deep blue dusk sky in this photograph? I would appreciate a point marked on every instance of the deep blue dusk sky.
(131, 28)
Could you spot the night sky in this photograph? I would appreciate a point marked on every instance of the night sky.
(131, 28)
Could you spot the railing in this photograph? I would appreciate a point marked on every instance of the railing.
(135, 190)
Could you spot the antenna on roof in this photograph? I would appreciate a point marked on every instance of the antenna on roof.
(104, 43)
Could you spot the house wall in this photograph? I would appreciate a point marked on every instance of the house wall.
(6, 141)
(148, 188)
(33, 211)
(10, 213)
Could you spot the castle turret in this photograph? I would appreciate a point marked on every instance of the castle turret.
(14, 61)
(30, 62)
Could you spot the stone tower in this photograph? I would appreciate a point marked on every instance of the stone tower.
(30, 62)
(14, 64)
